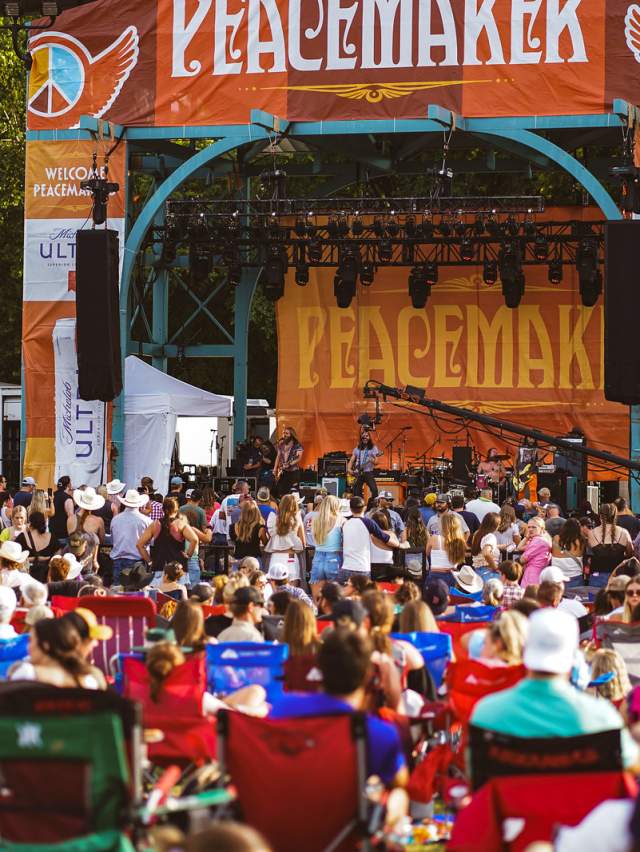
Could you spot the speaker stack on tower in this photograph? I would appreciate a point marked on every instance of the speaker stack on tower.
(98, 315)
(621, 350)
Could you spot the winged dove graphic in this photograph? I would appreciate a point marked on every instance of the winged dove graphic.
(632, 30)
(66, 80)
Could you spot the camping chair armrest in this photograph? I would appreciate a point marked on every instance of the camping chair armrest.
(197, 801)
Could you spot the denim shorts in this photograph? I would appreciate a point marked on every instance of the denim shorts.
(326, 566)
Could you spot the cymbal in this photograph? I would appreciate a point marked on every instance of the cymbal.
(440, 459)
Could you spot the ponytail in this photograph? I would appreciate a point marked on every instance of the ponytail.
(161, 661)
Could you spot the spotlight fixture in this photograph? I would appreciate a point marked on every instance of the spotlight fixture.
(300, 227)
(357, 226)
(348, 267)
(343, 226)
(393, 228)
(459, 227)
(478, 226)
(20, 9)
(410, 227)
(366, 273)
(540, 247)
(274, 272)
(511, 274)
(344, 291)
(427, 227)
(314, 251)
(529, 227)
(555, 271)
(466, 249)
(512, 226)
(431, 272)
(302, 274)
(490, 272)
(493, 226)
(419, 288)
(385, 250)
(378, 227)
(445, 228)
(332, 227)
(589, 276)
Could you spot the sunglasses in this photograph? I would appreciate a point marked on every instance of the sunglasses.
(633, 593)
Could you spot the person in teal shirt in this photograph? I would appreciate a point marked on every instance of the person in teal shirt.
(545, 704)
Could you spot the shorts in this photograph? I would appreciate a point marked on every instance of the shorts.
(347, 575)
(326, 566)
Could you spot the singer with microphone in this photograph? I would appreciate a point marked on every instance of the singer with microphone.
(287, 466)
(363, 462)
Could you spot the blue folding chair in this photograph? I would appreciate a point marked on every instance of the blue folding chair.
(436, 650)
(469, 614)
(232, 665)
(11, 651)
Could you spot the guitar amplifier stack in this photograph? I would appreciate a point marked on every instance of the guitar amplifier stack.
(333, 465)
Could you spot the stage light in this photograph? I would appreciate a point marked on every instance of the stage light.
(343, 226)
(357, 226)
(589, 276)
(478, 226)
(378, 227)
(332, 227)
(466, 249)
(431, 272)
(511, 274)
(541, 248)
(419, 288)
(385, 250)
(348, 267)
(300, 227)
(459, 227)
(393, 229)
(344, 291)
(367, 271)
(555, 271)
(274, 271)
(410, 227)
(314, 251)
(490, 272)
(512, 226)
(445, 228)
(529, 227)
(302, 274)
(493, 226)
(427, 227)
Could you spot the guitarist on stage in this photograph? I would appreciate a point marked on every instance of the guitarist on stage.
(287, 466)
(526, 479)
(362, 464)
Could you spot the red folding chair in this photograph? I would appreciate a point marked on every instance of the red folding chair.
(188, 735)
(129, 618)
(458, 629)
(326, 808)
(528, 786)
(470, 680)
(301, 673)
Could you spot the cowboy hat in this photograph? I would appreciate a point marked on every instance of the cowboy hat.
(12, 552)
(88, 499)
(133, 499)
(75, 567)
(468, 580)
(115, 487)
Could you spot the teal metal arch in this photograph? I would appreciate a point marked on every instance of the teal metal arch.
(243, 294)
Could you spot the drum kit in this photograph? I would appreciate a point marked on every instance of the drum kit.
(437, 473)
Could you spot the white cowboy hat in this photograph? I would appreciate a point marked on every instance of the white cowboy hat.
(468, 580)
(12, 552)
(115, 487)
(75, 567)
(88, 499)
(133, 499)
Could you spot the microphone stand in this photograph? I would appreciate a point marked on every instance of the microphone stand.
(389, 446)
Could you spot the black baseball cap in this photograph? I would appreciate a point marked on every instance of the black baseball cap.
(348, 610)
(436, 595)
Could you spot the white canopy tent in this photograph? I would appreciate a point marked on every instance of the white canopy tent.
(153, 401)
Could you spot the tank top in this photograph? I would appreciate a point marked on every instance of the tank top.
(439, 559)
(606, 557)
(166, 548)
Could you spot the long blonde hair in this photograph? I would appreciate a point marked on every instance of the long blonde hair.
(326, 519)
(250, 517)
(300, 631)
(416, 617)
(453, 541)
(511, 631)
(287, 515)
(379, 608)
(38, 502)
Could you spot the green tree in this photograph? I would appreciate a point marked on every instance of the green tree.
(12, 154)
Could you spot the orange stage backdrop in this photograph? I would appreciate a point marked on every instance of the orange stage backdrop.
(199, 62)
(540, 365)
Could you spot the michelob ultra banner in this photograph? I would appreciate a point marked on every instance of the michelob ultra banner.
(55, 208)
(81, 427)
(540, 365)
(201, 62)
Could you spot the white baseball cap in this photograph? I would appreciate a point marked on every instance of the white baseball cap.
(278, 571)
(552, 574)
(552, 641)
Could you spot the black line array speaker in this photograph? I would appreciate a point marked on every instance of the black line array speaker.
(462, 463)
(622, 281)
(98, 315)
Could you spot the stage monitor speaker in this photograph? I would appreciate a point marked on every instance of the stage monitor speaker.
(462, 463)
(98, 315)
(621, 352)
(335, 485)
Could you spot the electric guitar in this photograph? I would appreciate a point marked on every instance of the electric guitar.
(522, 478)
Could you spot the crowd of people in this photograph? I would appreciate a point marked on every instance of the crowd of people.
(339, 581)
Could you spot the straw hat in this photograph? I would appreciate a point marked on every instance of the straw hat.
(75, 567)
(133, 499)
(88, 499)
(12, 552)
(468, 580)
(115, 487)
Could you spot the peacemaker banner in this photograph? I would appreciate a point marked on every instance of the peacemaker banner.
(209, 62)
(540, 365)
